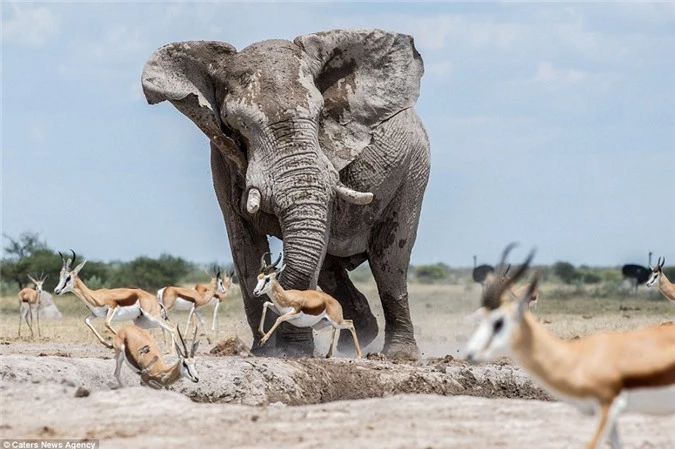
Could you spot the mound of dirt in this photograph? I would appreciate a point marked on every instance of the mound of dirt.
(231, 347)
(262, 381)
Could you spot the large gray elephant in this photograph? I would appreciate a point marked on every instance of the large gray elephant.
(315, 142)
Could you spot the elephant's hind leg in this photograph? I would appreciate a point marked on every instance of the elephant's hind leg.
(335, 281)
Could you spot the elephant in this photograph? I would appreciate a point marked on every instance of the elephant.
(316, 142)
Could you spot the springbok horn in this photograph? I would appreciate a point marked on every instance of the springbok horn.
(352, 196)
(74, 257)
(263, 264)
(253, 202)
(277, 261)
(492, 296)
(182, 341)
(506, 252)
(63, 260)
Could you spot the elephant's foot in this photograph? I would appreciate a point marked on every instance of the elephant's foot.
(293, 341)
(400, 348)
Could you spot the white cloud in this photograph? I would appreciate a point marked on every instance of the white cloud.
(119, 42)
(434, 33)
(549, 75)
(37, 134)
(30, 26)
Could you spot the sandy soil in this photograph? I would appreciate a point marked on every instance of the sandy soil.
(261, 402)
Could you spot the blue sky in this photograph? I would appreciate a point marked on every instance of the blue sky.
(550, 124)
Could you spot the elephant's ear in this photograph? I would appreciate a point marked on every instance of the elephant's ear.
(181, 73)
(366, 77)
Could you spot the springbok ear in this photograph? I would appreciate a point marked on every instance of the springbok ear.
(32, 280)
(179, 72)
(78, 268)
(524, 301)
(193, 350)
(365, 77)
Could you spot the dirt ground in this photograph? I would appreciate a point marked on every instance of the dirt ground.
(61, 386)
(254, 402)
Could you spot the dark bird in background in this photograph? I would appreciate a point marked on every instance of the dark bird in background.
(481, 272)
(637, 273)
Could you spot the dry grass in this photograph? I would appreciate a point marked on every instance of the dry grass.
(72, 329)
(437, 311)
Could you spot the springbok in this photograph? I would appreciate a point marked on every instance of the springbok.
(606, 373)
(665, 286)
(301, 308)
(29, 299)
(224, 285)
(516, 291)
(117, 304)
(135, 346)
(192, 299)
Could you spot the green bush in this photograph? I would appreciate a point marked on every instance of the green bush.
(566, 272)
(150, 274)
(432, 273)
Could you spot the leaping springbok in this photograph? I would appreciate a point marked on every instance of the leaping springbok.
(135, 346)
(117, 304)
(301, 308)
(606, 373)
(29, 299)
(183, 298)
(665, 286)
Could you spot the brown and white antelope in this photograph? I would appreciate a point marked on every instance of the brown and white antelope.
(117, 304)
(224, 285)
(665, 286)
(192, 299)
(605, 374)
(29, 299)
(301, 308)
(137, 347)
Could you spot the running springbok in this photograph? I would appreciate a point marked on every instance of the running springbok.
(117, 304)
(665, 286)
(606, 373)
(192, 299)
(301, 308)
(135, 346)
(224, 285)
(29, 299)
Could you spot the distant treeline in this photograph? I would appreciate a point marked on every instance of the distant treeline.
(27, 254)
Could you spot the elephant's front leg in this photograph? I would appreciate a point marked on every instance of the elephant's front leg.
(335, 281)
(248, 245)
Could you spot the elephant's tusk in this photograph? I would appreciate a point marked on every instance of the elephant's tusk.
(352, 196)
(253, 203)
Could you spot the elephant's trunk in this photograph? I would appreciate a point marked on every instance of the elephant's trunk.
(303, 189)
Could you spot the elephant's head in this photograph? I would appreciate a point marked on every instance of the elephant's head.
(289, 116)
